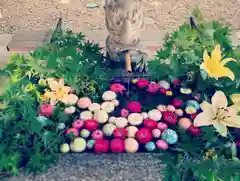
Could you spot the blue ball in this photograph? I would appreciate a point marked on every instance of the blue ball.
(193, 103)
(150, 146)
(170, 136)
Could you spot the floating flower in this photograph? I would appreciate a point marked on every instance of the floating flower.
(155, 114)
(215, 66)
(117, 88)
(58, 91)
(171, 108)
(185, 91)
(135, 119)
(190, 110)
(121, 122)
(61, 126)
(124, 112)
(84, 102)
(131, 131)
(170, 117)
(70, 110)
(169, 93)
(164, 84)
(108, 129)
(108, 107)
(78, 145)
(142, 83)
(153, 87)
(101, 116)
(134, 81)
(94, 107)
(109, 96)
(162, 107)
(78, 124)
(163, 91)
(218, 114)
(144, 115)
(65, 148)
(177, 102)
(115, 102)
(176, 82)
(134, 106)
(86, 115)
(112, 119)
(46, 110)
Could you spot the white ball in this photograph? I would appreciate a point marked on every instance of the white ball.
(155, 115)
(85, 115)
(101, 116)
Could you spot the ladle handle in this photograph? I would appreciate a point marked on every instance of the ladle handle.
(128, 63)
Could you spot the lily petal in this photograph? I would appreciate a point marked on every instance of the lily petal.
(208, 108)
(216, 54)
(226, 60)
(221, 128)
(219, 100)
(225, 72)
(232, 122)
(203, 119)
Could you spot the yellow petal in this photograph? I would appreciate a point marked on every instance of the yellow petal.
(232, 122)
(226, 60)
(219, 100)
(66, 89)
(221, 71)
(203, 119)
(235, 98)
(61, 83)
(216, 54)
(220, 128)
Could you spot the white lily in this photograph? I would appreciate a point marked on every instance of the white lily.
(218, 114)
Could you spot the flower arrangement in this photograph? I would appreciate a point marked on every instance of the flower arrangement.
(61, 99)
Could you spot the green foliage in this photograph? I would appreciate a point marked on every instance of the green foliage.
(182, 54)
(24, 140)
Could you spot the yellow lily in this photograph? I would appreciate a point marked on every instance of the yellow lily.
(218, 114)
(215, 65)
(58, 90)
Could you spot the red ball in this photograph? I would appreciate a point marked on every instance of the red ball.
(144, 135)
(120, 132)
(150, 123)
(91, 124)
(177, 102)
(134, 106)
(117, 145)
(195, 131)
(101, 146)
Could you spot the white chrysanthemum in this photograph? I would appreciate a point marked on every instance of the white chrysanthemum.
(112, 119)
(135, 119)
(85, 115)
(121, 122)
(109, 96)
(107, 107)
(155, 115)
(101, 116)
(145, 115)
(94, 107)
(108, 129)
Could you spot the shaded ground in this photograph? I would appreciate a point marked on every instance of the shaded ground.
(159, 14)
(106, 167)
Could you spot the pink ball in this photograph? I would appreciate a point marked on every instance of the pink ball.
(156, 133)
(97, 134)
(84, 102)
(161, 144)
(162, 126)
(78, 124)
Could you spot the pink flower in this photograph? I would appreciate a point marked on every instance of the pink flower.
(176, 82)
(124, 113)
(163, 91)
(142, 83)
(73, 131)
(134, 106)
(78, 124)
(117, 88)
(153, 87)
(46, 110)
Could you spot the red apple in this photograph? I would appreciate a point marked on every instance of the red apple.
(144, 135)
(150, 123)
(101, 146)
(195, 131)
(117, 145)
(120, 132)
(91, 124)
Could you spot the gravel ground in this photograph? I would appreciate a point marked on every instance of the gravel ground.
(105, 167)
(159, 14)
